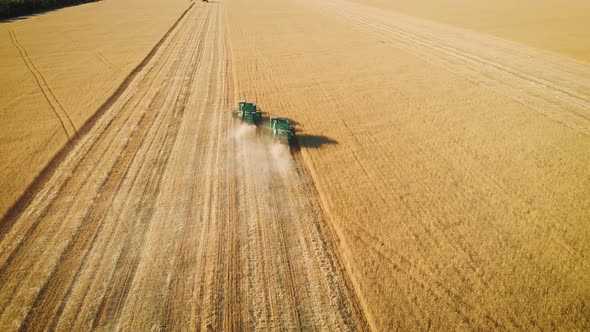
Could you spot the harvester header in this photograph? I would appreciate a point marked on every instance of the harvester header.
(248, 112)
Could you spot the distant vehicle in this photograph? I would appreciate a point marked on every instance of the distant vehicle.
(279, 128)
(282, 131)
(248, 112)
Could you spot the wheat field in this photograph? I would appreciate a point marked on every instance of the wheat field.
(439, 178)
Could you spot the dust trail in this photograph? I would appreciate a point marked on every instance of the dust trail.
(244, 131)
(270, 156)
(281, 156)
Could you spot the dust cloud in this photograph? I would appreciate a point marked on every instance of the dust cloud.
(270, 157)
(244, 131)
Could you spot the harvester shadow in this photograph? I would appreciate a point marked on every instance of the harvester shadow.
(312, 141)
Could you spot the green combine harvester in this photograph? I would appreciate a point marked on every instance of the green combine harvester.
(248, 112)
(282, 131)
(279, 128)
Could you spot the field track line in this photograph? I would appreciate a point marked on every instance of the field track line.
(326, 227)
(33, 226)
(94, 215)
(233, 263)
(17, 209)
(108, 62)
(329, 237)
(16, 250)
(106, 311)
(59, 111)
(459, 52)
(109, 178)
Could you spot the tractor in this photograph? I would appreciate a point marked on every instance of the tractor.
(282, 131)
(248, 112)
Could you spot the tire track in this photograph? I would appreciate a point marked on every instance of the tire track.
(108, 128)
(132, 253)
(106, 61)
(450, 228)
(77, 169)
(86, 234)
(549, 84)
(352, 314)
(175, 317)
(233, 319)
(69, 150)
(42, 216)
(490, 66)
(349, 303)
(112, 294)
(381, 185)
(94, 215)
(66, 122)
